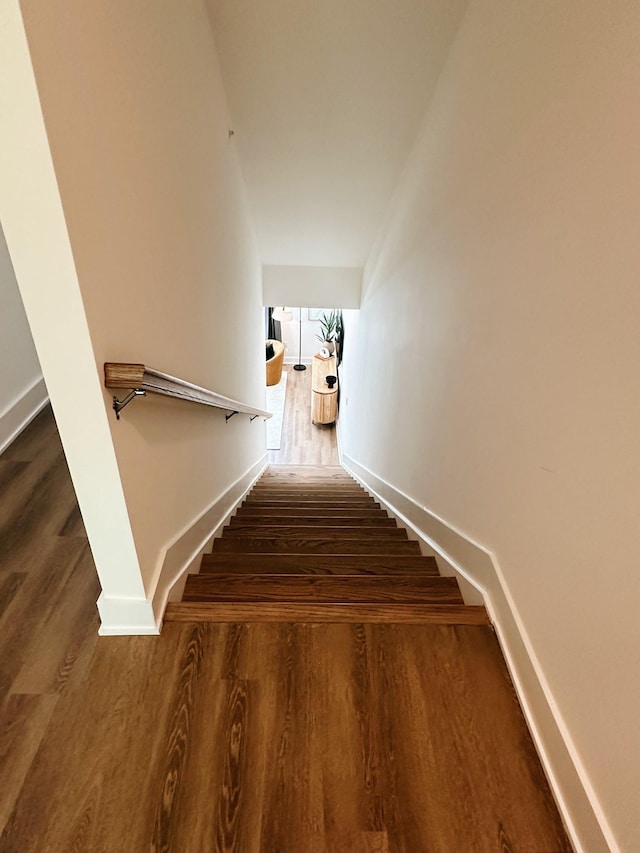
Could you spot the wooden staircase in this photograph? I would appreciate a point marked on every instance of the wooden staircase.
(310, 545)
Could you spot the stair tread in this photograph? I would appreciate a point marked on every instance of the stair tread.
(310, 505)
(302, 485)
(328, 545)
(307, 497)
(442, 614)
(312, 479)
(318, 563)
(316, 489)
(305, 512)
(298, 471)
(323, 588)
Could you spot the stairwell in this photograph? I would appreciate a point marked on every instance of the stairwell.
(309, 544)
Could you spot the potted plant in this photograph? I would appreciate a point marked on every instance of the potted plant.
(328, 330)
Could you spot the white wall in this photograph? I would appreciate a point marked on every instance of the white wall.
(292, 337)
(312, 286)
(22, 391)
(493, 374)
(315, 288)
(164, 257)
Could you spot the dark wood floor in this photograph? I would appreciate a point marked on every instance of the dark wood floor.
(276, 738)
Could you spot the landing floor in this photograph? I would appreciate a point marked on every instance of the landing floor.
(303, 443)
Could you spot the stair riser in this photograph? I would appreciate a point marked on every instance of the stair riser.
(296, 478)
(309, 482)
(401, 589)
(244, 522)
(295, 545)
(306, 484)
(359, 564)
(326, 515)
(327, 497)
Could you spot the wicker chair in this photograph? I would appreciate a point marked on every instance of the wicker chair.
(274, 364)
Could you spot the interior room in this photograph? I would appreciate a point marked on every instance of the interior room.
(303, 387)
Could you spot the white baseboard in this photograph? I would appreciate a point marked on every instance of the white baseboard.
(474, 565)
(21, 412)
(292, 359)
(126, 616)
(183, 555)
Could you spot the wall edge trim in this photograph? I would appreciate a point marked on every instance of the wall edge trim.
(292, 359)
(188, 546)
(19, 413)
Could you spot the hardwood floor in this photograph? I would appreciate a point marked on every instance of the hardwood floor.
(303, 443)
(48, 589)
(250, 738)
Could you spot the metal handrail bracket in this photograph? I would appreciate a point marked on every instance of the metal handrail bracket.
(118, 405)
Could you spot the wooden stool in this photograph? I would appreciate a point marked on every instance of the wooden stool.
(324, 400)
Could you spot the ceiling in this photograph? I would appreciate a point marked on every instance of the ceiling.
(326, 99)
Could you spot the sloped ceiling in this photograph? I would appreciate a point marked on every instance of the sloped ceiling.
(326, 98)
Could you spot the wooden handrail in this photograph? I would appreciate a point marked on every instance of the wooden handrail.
(139, 379)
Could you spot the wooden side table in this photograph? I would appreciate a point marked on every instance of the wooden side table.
(324, 400)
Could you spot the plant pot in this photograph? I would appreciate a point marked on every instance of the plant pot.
(330, 345)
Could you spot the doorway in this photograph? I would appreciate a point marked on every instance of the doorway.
(299, 441)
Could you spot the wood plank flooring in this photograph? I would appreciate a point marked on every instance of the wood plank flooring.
(243, 738)
(303, 443)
